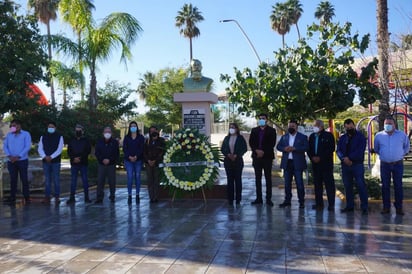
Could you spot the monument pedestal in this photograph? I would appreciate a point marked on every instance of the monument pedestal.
(196, 111)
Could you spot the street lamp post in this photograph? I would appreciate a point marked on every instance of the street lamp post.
(245, 35)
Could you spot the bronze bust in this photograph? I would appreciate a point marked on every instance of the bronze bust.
(196, 82)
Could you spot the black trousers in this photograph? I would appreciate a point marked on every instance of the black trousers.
(234, 181)
(324, 175)
(263, 165)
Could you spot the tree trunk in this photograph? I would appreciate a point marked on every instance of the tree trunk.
(191, 50)
(79, 42)
(297, 28)
(383, 56)
(64, 98)
(93, 88)
(53, 99)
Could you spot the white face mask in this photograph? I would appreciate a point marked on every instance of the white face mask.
(232, 131)
(107, 135)
(316, 129)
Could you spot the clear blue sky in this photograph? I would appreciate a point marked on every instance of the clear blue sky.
(221, 46)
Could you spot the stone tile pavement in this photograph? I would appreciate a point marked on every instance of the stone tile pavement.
(190, 236)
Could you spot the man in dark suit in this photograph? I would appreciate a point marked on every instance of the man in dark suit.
(293, 146)
(321, 148)
(262, 141)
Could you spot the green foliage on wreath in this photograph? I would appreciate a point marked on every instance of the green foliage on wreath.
(190, 161)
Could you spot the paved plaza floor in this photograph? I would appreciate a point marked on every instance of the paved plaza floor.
(190, 236)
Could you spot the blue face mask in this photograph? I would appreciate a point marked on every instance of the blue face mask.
(262, 123)
(133, 129)
(51, 130)
(387, 128)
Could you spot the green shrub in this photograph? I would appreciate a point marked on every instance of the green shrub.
(373, 185)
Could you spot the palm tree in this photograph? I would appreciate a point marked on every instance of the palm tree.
(325, 11)
(383, 56)
(67, 78)
(295, 12)
(117, 30)
(280, 20)
(186, 20)
(147, 79)
(78, 13)
(46, 11)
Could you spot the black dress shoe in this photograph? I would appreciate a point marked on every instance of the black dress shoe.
(269, 203)
(365, 212)
(238, 202)
(98, 201)
(317, 207)
(301, 205)
(257, 202)
(331, 208)
(385, 211)
(284, 204)
(400, 212)
(346, 210)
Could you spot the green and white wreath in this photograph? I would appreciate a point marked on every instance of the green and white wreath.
(190, 161)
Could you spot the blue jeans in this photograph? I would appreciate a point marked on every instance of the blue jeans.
(52, 173)
(16, 168)
(288, 173)
(355, 172)
(75, 169)
(133, 170)
(396, 172)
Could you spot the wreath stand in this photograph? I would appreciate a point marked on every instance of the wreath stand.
(203, 194)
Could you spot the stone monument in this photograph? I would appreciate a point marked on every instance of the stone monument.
(196, 100)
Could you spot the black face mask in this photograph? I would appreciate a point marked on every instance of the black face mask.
(291, 130)
(351, 131)
(154, 134)
(78, 133)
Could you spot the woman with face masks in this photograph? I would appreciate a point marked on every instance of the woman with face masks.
(133, 145)
(233, 148)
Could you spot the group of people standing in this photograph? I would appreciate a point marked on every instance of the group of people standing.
(137, 151)
(390, 144)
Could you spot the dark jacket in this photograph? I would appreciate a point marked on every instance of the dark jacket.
(107, 150)
(240, 149)
(268, 143)
(352, 147)
(133, 147)
(79, 148)
(154, 150)
(326, 147)
(301, 145)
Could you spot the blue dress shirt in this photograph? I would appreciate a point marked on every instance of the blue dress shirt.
(391, 147)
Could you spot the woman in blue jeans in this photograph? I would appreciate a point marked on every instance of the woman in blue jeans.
(133, 144)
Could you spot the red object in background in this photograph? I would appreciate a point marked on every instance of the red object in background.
(36, 91)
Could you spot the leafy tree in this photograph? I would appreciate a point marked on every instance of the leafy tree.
(78, 13)
(46, 11)
(383, 56)
(159, 97)
(116, 30)
(280, 19)
(21, 58)
(113, 106)
(304, 82)
(325, 12)
(186, 20)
